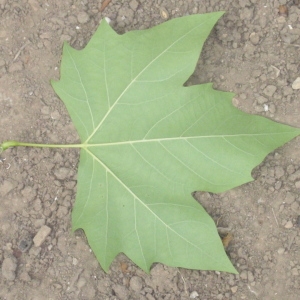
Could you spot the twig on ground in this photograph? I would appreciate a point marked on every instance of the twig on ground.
(251, 290)
(104, 4)
(275, 217)
(291, 240)
(184, 283)
(295, 45)
(20, 50)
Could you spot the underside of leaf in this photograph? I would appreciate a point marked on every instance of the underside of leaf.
(148, 142)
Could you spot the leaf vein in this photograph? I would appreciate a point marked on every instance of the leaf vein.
(89, 191)
(83, 87)
(213, 160)
(137, 232)
(248, 153)
(152, 166)
(201, 177)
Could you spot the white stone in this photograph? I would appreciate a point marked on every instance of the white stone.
(288, 224)
(108, 20)
(296, 84)
(194, 295)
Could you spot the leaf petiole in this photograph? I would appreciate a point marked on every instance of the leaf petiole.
(8, 144)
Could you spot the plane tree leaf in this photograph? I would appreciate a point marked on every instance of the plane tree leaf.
(148, 142)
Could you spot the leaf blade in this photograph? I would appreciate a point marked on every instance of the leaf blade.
(148, 142)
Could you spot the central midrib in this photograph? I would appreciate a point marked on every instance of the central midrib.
(87, 145)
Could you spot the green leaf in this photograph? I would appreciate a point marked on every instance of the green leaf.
(148, 142)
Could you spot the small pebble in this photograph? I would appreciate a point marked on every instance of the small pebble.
(280, 250)
(9, 267)
(262, 100)
(281, 208)
(57, 286)
(55, 115)
(235, 102)
(24, 276)
(83, 17)
(133, 5)
(250, 276)
(283, 10)
(272, 108)
(62, 211)
(297, 184)
(136, 284)
(281, 19)
(234, 289)
(259, 108)
(270, 90)
(244, 275)
(108, 20)
(194, 295)
(288, 224)
(62, 173)
(41, 235)
(278, 185)
(81, 282)
(25, 244)
(254, 38)
(289, 198)
(164, 13)
(296, 84)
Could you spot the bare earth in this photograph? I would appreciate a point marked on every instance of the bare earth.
(253, 51)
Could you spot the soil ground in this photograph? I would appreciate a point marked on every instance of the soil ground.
(253, 51)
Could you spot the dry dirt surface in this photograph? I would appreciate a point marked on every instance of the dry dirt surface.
(254, 51)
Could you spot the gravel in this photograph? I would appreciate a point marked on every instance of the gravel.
(251, 52)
